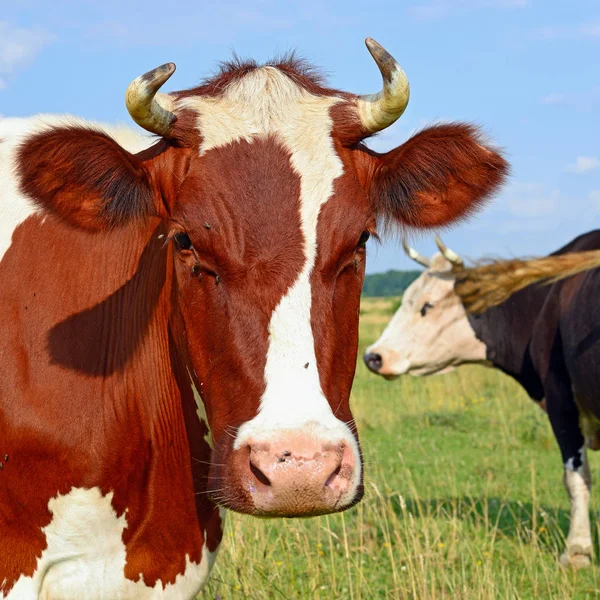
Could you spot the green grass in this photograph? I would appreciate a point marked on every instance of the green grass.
(464, 499)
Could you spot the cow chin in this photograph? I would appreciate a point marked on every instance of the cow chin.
(424, 370)
(392, 369)
(287, 473)
(390, 377)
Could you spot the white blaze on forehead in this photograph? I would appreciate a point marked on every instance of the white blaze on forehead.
(268, 103)
(85, 557)
(15, 207)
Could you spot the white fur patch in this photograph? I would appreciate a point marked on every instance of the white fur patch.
(578, 484)
(267, 103)
(201, 411)
(15, 207)
(85, 557)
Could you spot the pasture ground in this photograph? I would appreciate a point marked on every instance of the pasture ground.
(464, 500)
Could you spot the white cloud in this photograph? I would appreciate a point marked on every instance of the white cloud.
(554, 98)
(581, 101)
(531, 208)
(583, 164)
(109, 30)
(525, 207)
(428, 12)
(18, 47)
(438, 9)
(228, 19)
(531, 200)
(581, 31)
(528, 226)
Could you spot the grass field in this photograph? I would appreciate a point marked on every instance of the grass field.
(464, 499)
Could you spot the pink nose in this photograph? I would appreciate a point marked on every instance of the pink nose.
(300, 476)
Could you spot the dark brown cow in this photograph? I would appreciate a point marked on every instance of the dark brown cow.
(194, 294)
(544, 336)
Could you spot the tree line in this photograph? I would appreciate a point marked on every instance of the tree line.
(390, 283)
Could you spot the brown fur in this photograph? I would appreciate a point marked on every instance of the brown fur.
(84, 176)
(488, 285)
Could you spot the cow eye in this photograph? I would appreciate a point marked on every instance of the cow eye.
(182, 240)
(364, 238)
(425, 308)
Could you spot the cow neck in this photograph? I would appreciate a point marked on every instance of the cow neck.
(506, 330)
(146, 373)
(146, 339)
(107, 388)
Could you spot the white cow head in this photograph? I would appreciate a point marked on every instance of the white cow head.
(430, 332)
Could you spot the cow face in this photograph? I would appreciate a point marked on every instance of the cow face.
(430, 333)
(268, 197)
(269, 229)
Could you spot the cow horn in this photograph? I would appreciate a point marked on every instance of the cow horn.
(150, 110)
(378, 111)
(412, 253)
(448, 254)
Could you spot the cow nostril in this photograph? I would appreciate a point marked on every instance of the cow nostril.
(335, 473)
(373, 361)
(259, 474)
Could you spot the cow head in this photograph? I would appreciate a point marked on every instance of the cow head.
(268, 197)
(430, 332)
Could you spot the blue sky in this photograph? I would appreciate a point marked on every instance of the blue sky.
(528, 71)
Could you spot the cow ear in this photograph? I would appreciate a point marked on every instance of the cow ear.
(441, 174)
(85, 177)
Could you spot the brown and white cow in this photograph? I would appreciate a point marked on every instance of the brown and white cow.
(171, 317)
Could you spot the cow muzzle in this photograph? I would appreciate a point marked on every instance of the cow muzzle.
(385, 362)
(373, 361)
(298, 477)
(295, 473)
